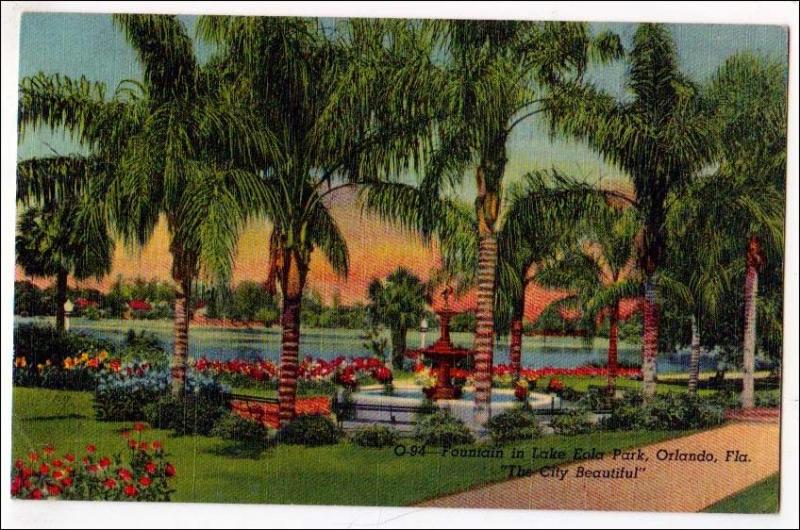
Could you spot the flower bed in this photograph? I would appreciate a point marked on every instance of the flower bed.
(268, 413)
(311, 372)
(142, 475)
(78, 372)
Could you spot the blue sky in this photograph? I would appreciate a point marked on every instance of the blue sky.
(83, 44)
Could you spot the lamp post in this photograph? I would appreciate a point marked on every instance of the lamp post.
(423, 328)
(68, 307)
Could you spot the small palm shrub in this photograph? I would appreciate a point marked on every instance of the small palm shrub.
(442, 429)
(187, 415)
(664, 412)
(512, 425)
(376, 436)
(310, 431)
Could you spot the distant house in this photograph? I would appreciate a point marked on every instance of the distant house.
(136, 308)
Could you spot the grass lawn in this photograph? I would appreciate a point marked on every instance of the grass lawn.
(761, 497)
(212, 470)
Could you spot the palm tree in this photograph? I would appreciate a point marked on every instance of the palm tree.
(660, 136)
(751, 177)
(325, 92)
(601, 272)
(397, 302)
(181, 147)
(523, 251)
(481, 79)
(68, 239)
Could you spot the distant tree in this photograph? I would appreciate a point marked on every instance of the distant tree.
(397, 302)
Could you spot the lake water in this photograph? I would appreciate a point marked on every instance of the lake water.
(221, 343)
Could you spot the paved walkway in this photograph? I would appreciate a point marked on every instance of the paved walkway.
(662, 486)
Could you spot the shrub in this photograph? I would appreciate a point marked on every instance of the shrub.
(310, 431)
(769, 399)
(144, 348)
(235, 428)
(375, 436)
(511, 425)
(39, 344)
(664, 412)
(442, 429)
(190, 414)
(572, 422)
(143, 476)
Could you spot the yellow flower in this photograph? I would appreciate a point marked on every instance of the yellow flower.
(103, 355)
(68, 363)
(20, 362)
(84, 357)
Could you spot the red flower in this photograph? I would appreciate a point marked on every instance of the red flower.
(66, 481)
(130, 490)
(169, 470)
(36, 494)
(105, 462)
(44, 469)
(157, 445)
(33, 457)
(138, 426)
(85, 460)
(91, 448)
(125, 475)
(145, 481)
(132, 444)
(53, 490)
(19, 464)
(48, 450)
(144, 446)
(150, 467)
(26, 472)
(92, 468)
(110, 483)
(126, 434)
(58, 474)
(57, 463)
(16, 485)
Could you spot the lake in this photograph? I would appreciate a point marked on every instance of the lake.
(222, 343)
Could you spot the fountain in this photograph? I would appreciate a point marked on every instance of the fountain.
(443, 355)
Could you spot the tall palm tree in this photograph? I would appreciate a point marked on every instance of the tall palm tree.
(600, 270)
(660, 135)
(482, 79)
(748, 90)
(326, 93)
(397, 302)
(181, 147)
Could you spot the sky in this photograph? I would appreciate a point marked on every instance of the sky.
(89, 45)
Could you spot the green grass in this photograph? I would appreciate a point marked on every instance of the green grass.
(212, 470)
(761, 497)
(582, 384)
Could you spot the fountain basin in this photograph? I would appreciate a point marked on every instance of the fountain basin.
(412, 396)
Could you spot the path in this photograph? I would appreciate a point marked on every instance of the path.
(663, 486)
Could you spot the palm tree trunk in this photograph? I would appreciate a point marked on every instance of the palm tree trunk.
(484, 334)
(754, 260)
(613, 340)
(180, 355)
(398, 347)
(650, 339)
(694, 359)
(292, 283)
(61, 299)
(515, 347)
